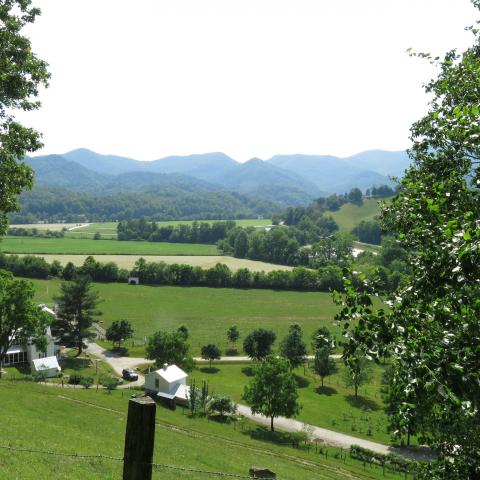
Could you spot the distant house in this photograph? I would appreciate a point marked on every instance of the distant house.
(45, 363)
(169, 382)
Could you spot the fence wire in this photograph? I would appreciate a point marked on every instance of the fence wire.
(81, 456)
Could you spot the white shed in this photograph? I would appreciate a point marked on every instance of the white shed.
(169, 382)
(47, 366)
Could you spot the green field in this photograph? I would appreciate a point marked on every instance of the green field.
(351, 215)
(92, 423)
(208, 312)
(100, 247)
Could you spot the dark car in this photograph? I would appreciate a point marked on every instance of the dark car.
(129, 374)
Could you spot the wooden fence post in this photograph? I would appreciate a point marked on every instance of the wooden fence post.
(139, 439)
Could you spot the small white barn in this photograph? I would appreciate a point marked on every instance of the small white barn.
(169, 382)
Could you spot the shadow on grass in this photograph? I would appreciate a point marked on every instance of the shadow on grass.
(209, 370)
(362, 403)
(328, 391)
(302, 382)
(248, 371)
(76, 364)
(277, 437)
(219, 418)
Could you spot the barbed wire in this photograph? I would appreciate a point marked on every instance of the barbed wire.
(121, 459)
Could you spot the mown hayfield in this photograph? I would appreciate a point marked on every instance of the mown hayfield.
(204, 261)
(50, 226)
(351, 215)
(333, 407)
(92, 423)
(207, 312)
(34, 245)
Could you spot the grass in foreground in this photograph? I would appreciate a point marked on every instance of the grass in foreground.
(89, 422)
(34, 245)
(207, 312)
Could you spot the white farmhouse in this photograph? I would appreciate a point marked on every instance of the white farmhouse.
(169, 382)
(40, 362)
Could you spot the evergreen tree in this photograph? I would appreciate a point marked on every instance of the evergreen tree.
(293, 347)
(77, 309)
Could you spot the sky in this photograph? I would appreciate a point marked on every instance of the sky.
(251, 78)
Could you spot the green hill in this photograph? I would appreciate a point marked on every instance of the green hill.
(92, 423)
(351, 215)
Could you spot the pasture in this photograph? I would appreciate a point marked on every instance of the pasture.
(204, 261)
(350, 215)
(207, 312)
(33, 245)
(89, 422)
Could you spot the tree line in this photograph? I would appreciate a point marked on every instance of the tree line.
(196, 232)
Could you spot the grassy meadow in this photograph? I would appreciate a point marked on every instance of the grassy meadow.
(207, 312)
(32, 245)
(332, 406)
(89, 422)
(350, 215)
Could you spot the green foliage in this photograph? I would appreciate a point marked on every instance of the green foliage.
(119, 331)
(390, 461)
(368, 231)
(169, 347)
(20, 317)
(211, 352)
(233, 334)
(221, 404)
(258, 344)
(322, 338)
(273, 390)
(292, 347)
(22, 75)
(358, 372)
(77, 309)
(431, 331)
(86, 382)
(323, 365)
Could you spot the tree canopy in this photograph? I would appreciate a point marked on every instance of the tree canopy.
(22, 73)
(273, 390)
(431, 331)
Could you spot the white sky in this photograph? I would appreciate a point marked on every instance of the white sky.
(150, 78)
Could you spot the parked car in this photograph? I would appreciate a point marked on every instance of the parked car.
(129, 374)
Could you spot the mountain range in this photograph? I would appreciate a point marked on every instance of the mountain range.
(287, 179)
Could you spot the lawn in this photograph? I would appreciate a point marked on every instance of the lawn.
(207, 312)
(92, 423)
(34, 245)
(351, 215)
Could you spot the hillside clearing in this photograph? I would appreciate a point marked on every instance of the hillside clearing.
(350, 215)
(204, 261)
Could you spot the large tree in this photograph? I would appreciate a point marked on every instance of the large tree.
(21, 75)
(77, 309)
(431, 332)
(273, 390)
(258, 344)
(292, 347)
(169, 347)
(119, 331)
(20, 317)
